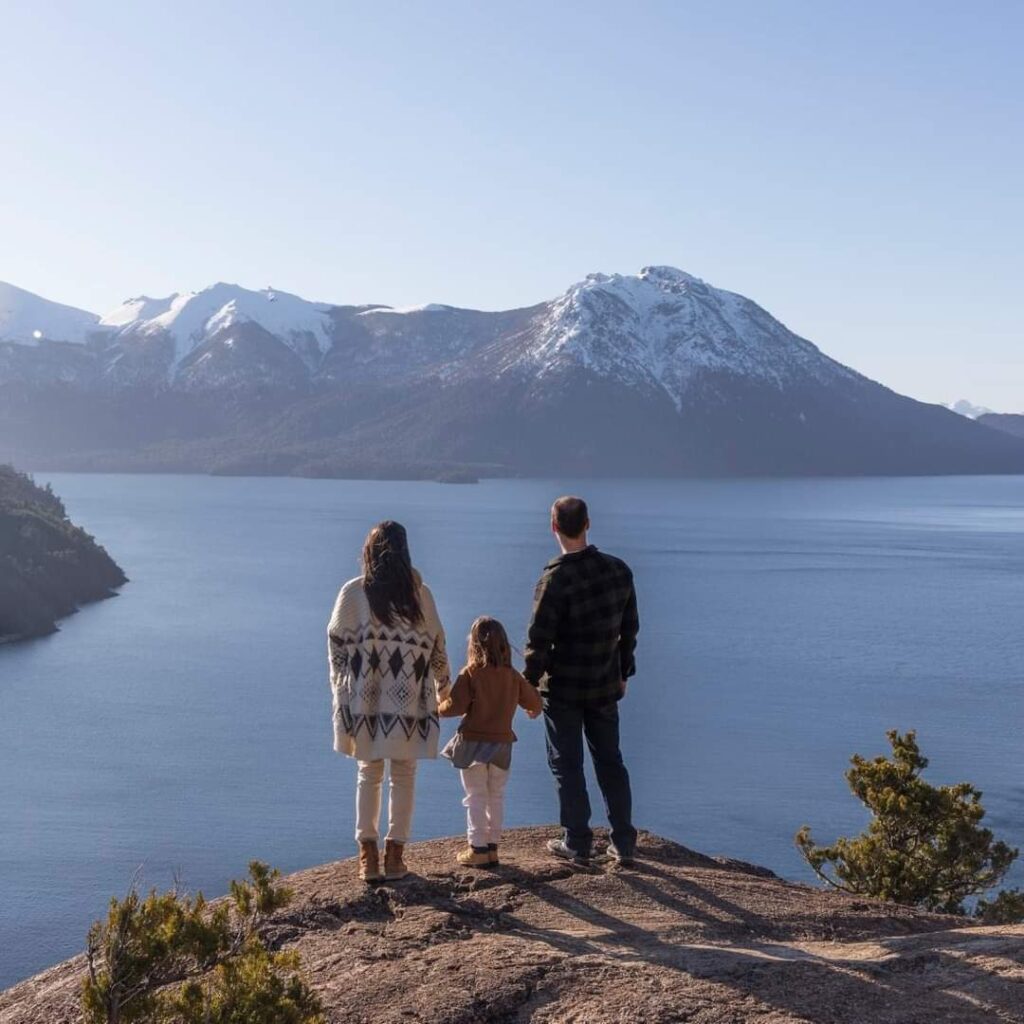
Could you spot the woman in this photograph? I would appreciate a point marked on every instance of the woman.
(389, 671)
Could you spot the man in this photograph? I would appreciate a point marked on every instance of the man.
(579, 653)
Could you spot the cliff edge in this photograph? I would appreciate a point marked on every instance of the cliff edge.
(679, 937)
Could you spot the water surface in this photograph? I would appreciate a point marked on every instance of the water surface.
(785, 625)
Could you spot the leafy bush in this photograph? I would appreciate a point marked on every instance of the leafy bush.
(924, 846)
(169, 957)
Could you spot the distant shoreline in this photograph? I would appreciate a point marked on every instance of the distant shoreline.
(45, 469)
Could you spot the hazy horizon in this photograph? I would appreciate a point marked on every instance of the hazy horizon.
(849, 169)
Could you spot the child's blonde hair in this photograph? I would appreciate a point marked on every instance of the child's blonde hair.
(488, 645)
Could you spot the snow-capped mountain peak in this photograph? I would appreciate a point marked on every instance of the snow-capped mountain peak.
(662, 328)
(670, 279)
(192, 318)
(28, 319)
(140, 308)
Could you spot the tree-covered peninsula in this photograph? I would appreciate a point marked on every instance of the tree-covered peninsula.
(48, 566)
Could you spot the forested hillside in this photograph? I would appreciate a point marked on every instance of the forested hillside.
(48, 566)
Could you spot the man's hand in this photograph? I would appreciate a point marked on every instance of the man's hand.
(623, 687)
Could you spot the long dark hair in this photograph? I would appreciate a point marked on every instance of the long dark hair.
(388, 578)
(488, 645)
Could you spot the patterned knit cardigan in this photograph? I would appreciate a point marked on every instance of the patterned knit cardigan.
(386, 680)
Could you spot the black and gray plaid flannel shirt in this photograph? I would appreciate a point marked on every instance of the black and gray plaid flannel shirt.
(583, 632)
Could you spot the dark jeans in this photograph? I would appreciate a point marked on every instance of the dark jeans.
(566, 727)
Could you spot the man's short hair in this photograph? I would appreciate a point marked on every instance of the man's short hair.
(570, 516)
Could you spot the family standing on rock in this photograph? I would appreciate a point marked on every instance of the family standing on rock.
(391, 684)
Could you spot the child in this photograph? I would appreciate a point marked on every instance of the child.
(486, 693)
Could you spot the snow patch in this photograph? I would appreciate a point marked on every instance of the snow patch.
(968, 409)
(140, 308)
(430, 307)
(191, 318)
(29, 319)
(661, 328)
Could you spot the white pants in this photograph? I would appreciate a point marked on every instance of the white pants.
(485, 802)
(401, 796)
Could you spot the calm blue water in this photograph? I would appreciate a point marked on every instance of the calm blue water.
(186, 723)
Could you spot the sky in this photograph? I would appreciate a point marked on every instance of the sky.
(856, 167)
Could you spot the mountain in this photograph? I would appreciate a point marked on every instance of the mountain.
(968, 409)
(222, 336)
(656, 373)
(27, 319)
(1008, 423)
(48, 566)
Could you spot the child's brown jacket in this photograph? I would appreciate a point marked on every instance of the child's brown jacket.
(488, 698)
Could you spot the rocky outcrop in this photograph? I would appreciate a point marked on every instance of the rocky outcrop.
(679, 937)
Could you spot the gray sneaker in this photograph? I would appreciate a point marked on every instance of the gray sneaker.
(625, 860)
(559, 848)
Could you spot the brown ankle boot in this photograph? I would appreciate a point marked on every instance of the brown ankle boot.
(471, 858)
(394, 866)
(369, 862)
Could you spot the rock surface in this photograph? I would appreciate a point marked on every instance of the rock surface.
(680, 937)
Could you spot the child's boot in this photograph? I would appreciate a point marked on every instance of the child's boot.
(474, 857)
(492, 853)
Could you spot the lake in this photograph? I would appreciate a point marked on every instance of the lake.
(785, 625)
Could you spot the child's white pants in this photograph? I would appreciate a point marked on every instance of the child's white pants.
(484, 802)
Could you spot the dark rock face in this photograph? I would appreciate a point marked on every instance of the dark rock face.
(680, 937)
(48, 566)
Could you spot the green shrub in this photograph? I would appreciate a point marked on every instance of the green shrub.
(255, 987)
(924, 846)
(169, 957)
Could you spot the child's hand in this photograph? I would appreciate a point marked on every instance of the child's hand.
(533, 714)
